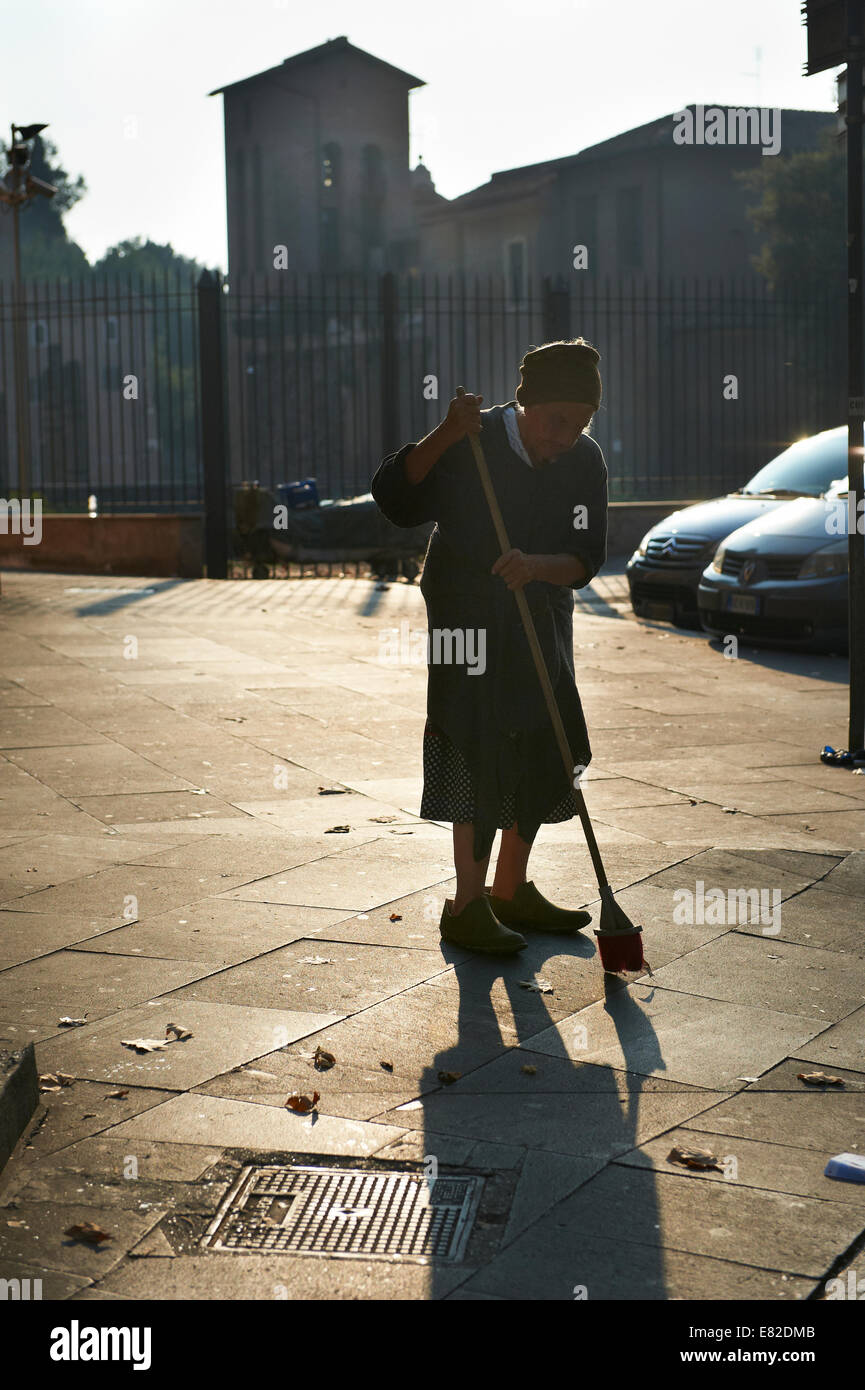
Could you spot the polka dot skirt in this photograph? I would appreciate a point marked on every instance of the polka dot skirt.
(448, 786)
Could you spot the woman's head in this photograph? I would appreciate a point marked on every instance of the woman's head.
(559, 391)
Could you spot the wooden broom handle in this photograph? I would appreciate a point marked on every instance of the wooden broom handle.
(538, 656)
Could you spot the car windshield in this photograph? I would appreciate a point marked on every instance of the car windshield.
(806, 468)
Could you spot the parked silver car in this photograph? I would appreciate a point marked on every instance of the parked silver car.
(665, 570)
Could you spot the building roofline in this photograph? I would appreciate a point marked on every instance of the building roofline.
(317, 55)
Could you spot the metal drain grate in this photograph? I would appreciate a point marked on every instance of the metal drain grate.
(345, 1212)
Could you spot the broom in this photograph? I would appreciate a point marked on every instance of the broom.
(619, 941)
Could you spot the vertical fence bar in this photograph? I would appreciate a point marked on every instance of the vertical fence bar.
(213, 424)
(389, 364)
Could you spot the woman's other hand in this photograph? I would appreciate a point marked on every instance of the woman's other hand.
(463, 417)
(516, 568)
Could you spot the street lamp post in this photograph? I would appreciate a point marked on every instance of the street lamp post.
(17, 190)
(836, 35)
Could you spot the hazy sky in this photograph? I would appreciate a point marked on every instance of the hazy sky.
(123, 85)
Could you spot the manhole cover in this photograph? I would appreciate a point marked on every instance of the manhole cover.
(347, 1212)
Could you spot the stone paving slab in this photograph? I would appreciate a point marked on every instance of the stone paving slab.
(204, 1119)
(769, 973)
(704, 1042)
(108, 893)
(770, 1167)
(215, 930)
(224, 1036)
(842, 1045)
(785, 1117)
(820, 918)
(354, 978)
(52, 1284)
(356, 879)
(296, 1279)
(842, 829)
(40, 1239)
(768, 1230)
(93, 983)
(554, 1260)
(129, 811)
(595, 1124)
(93, 770)
(36, 727)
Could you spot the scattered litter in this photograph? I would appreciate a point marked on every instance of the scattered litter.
(449, 1077)
(332, 791)
(88, 1233)
(528, 1069)
(338, 830)
(52, 1081)
(16, 1223)
(324, 1060)
(180, 1034)
(252, 1071)
(411, 1105)
(316, 960)
(747, 1078)
(382, 820)
(117, 1095)
(388, 1066)
(694, 1158)
(145, 1044)
(396, 916)
(72, 1022)
(818, 1078)
(539, 986)
(846, 1168)
(301, 1105)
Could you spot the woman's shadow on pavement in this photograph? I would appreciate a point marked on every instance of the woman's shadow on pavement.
(569, 1106)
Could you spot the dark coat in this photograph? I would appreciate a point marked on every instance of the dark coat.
(498, 720)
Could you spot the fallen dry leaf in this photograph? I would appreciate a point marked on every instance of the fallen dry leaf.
(338, 830)
(117, 1095)
(332, 791)
(396, 916)
(181, 1034)
(449, 1077)
(16, 1223)
(382, 820)
(87, 1232)
(145, 1044)
(388, 1066)
(324, 1060)
(71, 1022)
(539, 986)
(694, 1158)
(301, 1105)
(818, 1078)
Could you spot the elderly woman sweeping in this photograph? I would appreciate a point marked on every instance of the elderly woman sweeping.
(490, 757)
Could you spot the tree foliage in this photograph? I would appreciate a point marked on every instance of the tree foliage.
(798, 211)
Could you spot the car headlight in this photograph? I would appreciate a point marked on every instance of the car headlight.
(642, 547)
(718, 561)
(823, 564)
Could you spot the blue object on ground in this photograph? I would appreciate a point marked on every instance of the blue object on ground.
(299, 495)
(846, 1168)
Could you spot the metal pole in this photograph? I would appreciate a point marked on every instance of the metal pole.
(19, 345)
(855, 376)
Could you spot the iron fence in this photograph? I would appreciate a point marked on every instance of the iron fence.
(704, 381)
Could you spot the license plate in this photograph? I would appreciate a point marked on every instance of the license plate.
(742, 603)
(659, 612)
